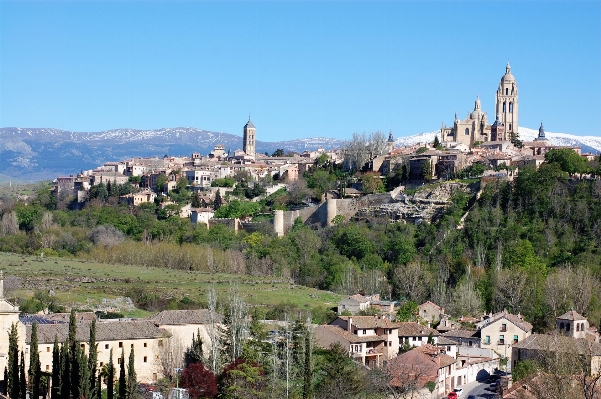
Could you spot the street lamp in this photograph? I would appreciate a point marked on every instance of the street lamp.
(177, 371)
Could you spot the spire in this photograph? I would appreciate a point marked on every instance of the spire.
(508, 68)
(478, 105)
(390, 138)
(541, 131)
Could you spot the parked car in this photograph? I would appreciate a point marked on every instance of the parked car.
(493, 386)
(458, 391)
(452, 395)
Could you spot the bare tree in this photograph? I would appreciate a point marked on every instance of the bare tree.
(362, 148)
(413, 279)
(169, 356)
(512, 289)
(213, 331)
(9, 224)
(465, 300)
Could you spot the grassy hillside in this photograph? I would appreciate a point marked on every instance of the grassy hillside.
(84, 284)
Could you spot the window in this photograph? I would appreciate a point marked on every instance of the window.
(160, 342)
(501, 340)
(132, 346)
(504, 107)
(120, 344)
(389, 343)
(561, 326)
(503, 327)
(567, 326)
(364, 332)
(448, 348)
(145, 344)
(83, 346)
(145, 359)
(118, 360)
(47, 367)
(106, 346)
(577, 326)
(510, 107)
(469, 343)
(385, 343)
(510, 126)
(47, 349)
(101, 364)
(515, 339)
(487, 340)
(506, 91)
(467, 131)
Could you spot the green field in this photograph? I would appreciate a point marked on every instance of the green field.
(82, 284)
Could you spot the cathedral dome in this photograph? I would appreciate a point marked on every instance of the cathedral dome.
(508, 77)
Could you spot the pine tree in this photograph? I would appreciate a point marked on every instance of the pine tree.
(110, 378)
(93, 357)
(65, 374)
(217, 202)
(194, 354)
(122, 383)
(22, 380)
(436, 142)
(56, 370)
(13, 362)
(132, 378)
(34, 371)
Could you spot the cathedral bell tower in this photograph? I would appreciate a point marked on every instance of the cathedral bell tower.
(249, 138)
(507, 105)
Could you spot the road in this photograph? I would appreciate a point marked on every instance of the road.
(479, 390)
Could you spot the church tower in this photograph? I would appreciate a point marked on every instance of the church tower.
(249, 138)
(507, 105)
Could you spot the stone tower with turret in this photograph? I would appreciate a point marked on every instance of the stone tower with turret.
(507, 105)
(249, 138)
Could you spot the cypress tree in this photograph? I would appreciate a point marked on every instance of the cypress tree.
(122, 383)
(13, 362)
(132, 378)
(34, 363)
(307, 372)
(65, 375)
(84, 377)
(93, 357)
(217, 202)
(98, 394)
(110, 378)
(22, 380)
(56, 371)
(74, 356)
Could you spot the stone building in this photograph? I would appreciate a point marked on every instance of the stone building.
(476, 128)
(502, 330)
(249, 138)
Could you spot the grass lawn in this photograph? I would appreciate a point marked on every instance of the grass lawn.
(81, 283)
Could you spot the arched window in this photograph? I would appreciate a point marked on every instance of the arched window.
(577, 326)
(510, 126)
(504, 107)
(561, 326)
(506, 91)
(582, 327)
(467, 131)
(567, 326)
(510, 107)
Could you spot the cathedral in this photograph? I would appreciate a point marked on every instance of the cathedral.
(476, 128)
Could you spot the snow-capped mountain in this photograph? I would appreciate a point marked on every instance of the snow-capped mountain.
(586, 143)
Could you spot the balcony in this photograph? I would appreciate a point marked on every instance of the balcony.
(503, 329)
(373, 351)
(501, 342)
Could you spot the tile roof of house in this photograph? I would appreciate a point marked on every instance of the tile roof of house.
(517, 320)
(462, 334)
(80, 317)
(105, 331)
(411, 329)
(572, 315)
(552, 342)
(181, 317)
(350, 337)
(445, 341)
(422, 363)
(370, 322)
(430, 303)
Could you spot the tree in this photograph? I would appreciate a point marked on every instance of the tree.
(194, 353)
(407, 312)
(74, 357)
(568, 160)
(65, 371)
(13, 362)
(200, 382)
(427, 170)
(161, 182)
(110, 377)
(217, 202)
(340, 375)
(34, 371)
(437, 144)
(56, 370)
(372, 184)
(242, 379)
(132, 378)
(10, 224)
(93, 356)
(278, 153)
(22, 379)
(122, 381)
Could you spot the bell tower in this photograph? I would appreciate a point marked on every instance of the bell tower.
(249, 138)
(507, 105)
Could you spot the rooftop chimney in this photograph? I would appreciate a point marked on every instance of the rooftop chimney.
(349, 325)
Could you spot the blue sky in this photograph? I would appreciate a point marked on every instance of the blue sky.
(302, 69)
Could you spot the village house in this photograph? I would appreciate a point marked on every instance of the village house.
(416, 334)
(371, 340)
(502, 330)
(355, 303)
(430, 312)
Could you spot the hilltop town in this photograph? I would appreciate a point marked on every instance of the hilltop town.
(466, 265)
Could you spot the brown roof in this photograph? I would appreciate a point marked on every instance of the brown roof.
(572, 315)
(80, 317)
(350, 337)
(445, 341)
(462, 334)
(551, 342)
(422, 363)
(105, 331)
(516, 320)
(411, 329)
(429, 303)
(180, 317)
(370, 322)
